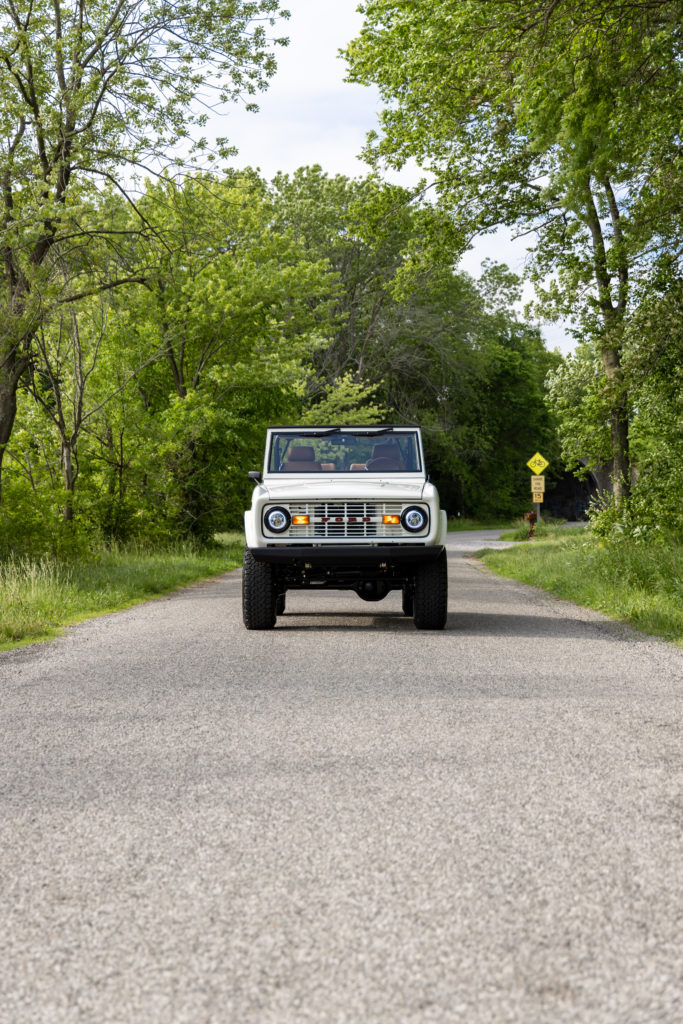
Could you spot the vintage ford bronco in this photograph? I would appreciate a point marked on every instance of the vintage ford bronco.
(345, 508)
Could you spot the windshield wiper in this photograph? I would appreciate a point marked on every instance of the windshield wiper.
(342, 430)
(373, 433)
(320, 433)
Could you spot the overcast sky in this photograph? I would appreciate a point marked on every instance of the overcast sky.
(310, 115)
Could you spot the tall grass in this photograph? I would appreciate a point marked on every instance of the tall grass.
(547, 527)
(32, 596)
(456, 524)
(38, 597)
(638, 583)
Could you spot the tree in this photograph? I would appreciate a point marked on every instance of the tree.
(382, 243)
(59, 386)
(154, 399)
(229, 308)
(425, 342)
(90, 91)
(346, 401)
(653, 371)
(559, 118)
(142, 408)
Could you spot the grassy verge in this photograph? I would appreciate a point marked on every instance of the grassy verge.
(636, 583)
(39, 598)
(546, 529)
(456, 525)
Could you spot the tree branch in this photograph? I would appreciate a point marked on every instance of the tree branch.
(622, 266)
(101, 288)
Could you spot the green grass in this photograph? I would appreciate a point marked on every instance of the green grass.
(39, 598)
(546, 529)
(636, 583)
(456, 525)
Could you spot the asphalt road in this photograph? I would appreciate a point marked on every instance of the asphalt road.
(343, 820)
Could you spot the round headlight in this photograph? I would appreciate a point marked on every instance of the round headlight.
(278, 520)
(414, 519)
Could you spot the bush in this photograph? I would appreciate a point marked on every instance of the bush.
(638, 519)
(31, 524)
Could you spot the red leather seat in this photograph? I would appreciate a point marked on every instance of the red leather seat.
(300, 459)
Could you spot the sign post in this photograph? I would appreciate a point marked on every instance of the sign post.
(537, 463)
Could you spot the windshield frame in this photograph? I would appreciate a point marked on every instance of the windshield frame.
(378, 431)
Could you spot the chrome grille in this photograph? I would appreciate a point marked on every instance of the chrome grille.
(345, 519)
(327, 513)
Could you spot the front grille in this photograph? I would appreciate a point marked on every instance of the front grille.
(346, 520)
(365, 513)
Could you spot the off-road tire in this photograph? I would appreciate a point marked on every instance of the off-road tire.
(430, 606)
(258, 593)
(407, 602)
(280, 604)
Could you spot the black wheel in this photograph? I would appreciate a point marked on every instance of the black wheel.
(280, 604)
(258, 593)
(407, 601)
(430, 606)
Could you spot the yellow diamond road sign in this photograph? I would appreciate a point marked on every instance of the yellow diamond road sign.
(537, 463)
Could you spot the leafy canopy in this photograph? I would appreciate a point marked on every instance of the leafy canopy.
(521, 108)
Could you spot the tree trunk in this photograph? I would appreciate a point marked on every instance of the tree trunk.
(15, 345)
(9, 381)
(619, 432)
(613, 314)
(69, 482)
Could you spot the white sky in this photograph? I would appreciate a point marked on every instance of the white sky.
(310, 115)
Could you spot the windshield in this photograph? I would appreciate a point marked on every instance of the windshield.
(332, 450)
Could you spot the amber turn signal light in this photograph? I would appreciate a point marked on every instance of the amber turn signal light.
(300, 520)
(391, 520)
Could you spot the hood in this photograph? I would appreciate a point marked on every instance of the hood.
(323, 485)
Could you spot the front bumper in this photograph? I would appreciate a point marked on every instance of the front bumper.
(347, 554)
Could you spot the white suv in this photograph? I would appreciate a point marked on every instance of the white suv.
(345, 508)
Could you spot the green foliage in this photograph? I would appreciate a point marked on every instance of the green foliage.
(314, 300)
(31, 523)
(653, 380)
(516, 106)
(346, 401)
(562, 120)
(215, 346)
(438, 351)
(495, 414)
(145, 346)
(88, 89)
(653, 365)
(580, 395)
(642, 519)
(66, 63)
